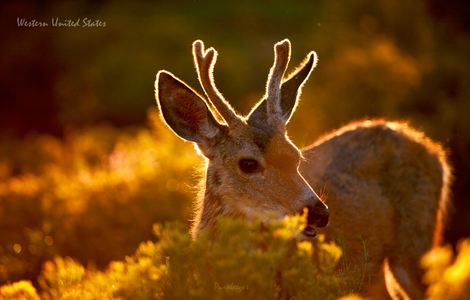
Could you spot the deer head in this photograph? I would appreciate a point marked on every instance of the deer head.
(252, 166)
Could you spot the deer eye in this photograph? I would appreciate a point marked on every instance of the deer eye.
(249, 165)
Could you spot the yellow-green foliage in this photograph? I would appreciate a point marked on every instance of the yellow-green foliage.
(93, 196)
(448, 275)
(19, 290)
(242, 260)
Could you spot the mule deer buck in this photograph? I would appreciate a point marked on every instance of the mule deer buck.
(386, 184)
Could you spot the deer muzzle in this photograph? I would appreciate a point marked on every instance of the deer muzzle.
(317, 216)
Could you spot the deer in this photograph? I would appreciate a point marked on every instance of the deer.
(385, 185)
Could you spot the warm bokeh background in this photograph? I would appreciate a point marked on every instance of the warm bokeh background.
(85, 164)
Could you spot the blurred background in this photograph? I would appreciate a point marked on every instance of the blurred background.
(86, 166)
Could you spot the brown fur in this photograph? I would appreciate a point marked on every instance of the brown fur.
(387, 187)
(386, 184)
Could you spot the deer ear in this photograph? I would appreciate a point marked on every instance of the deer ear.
(290, 92)
(183, 110)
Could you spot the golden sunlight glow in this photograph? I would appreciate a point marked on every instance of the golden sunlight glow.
(448, 276)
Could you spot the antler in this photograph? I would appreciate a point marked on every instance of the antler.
(276, 74)
(204, 61)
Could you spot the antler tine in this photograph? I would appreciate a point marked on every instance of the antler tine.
(204, 61)
(276, 74)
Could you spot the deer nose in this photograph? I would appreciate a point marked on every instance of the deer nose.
(318, 214)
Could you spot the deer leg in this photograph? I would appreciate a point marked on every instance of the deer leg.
(400, 282)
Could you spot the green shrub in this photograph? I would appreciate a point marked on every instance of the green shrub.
(19, 290)
(93, 196)
(448, 275)
(242, 260)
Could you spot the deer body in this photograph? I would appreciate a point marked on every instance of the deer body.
(385, 184)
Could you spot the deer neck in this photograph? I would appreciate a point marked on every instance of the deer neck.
(210, 204)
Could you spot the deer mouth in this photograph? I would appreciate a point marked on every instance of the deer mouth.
(309, 232)
(317, 216)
